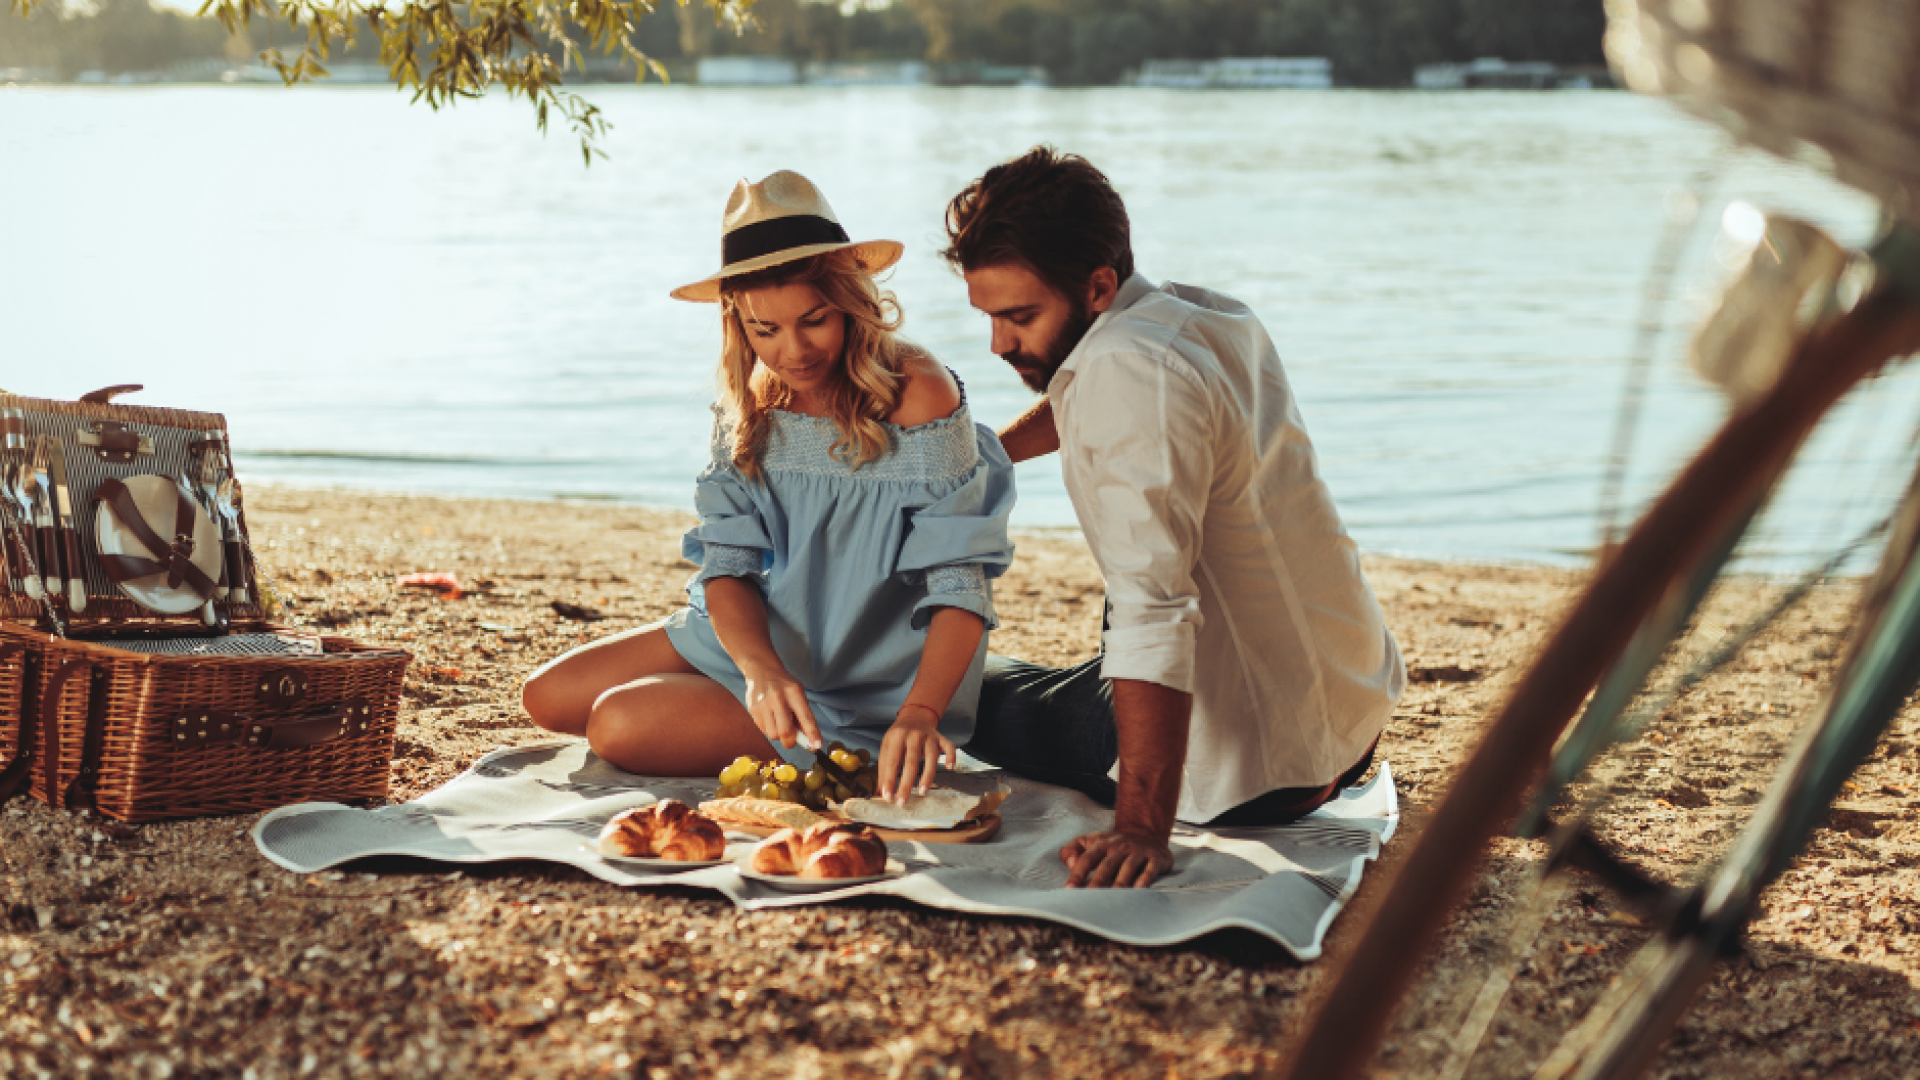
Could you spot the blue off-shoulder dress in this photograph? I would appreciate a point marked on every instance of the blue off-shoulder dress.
(852, 562)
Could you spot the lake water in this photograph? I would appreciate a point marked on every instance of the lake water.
(382, 297)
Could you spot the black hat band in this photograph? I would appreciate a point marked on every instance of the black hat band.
(777, 235)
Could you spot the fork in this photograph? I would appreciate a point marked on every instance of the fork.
(227, 498)
(212, 464)
(49, 533)
(209, 612)
(16, 511)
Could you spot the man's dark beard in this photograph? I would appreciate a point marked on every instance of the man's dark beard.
(1037, 371)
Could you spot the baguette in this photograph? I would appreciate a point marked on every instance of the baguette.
(767, 813)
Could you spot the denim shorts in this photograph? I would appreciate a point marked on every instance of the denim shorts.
(1055, 725)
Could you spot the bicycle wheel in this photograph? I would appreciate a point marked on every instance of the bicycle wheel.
(1683, 528)
(1621, 1035)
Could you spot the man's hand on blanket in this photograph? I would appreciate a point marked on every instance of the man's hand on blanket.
(778, 704)
(911, 750)
(1115, 859)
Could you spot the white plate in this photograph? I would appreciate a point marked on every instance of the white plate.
(795, 884)
(154, 596)
(636, 863)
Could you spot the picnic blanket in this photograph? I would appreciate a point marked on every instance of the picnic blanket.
(548, 801)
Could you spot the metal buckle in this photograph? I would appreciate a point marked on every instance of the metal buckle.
(287, 686)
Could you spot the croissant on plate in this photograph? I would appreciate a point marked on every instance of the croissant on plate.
(668, 829)
(827, 850)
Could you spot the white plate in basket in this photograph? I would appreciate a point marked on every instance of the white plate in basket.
(112, 538)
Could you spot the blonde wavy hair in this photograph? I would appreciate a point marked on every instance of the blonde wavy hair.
(866, 380)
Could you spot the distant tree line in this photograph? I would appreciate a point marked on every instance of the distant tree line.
(1077, 42)
(1092, 42)
(120, 36)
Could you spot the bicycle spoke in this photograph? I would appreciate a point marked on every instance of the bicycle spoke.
(1621, 1035)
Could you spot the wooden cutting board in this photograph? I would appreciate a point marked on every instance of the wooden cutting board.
(972, 832)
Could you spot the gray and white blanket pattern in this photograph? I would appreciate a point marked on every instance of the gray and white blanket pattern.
(548, 801)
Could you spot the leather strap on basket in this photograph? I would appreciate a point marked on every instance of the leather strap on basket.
(15, 771)
(14, 777)
(178, 566)
(208, 727)
(80, 792)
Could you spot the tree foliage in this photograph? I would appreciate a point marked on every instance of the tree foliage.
(446, 50)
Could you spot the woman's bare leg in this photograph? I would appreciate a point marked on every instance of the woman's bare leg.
(673, 725)
(560, 695)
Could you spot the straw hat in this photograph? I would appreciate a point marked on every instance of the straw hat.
(778, 220)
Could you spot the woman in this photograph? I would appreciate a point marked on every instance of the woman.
(850, 520)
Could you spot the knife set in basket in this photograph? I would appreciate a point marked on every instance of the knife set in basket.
(139, 675)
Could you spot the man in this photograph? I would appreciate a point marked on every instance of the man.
(1245, 671)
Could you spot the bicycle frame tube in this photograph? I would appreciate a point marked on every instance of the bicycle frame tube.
(1624, 1032)
(1677, 532)
(1599, 724)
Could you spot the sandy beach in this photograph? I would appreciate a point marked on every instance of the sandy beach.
(176, 950)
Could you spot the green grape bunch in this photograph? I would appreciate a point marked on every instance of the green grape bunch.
(752, 778)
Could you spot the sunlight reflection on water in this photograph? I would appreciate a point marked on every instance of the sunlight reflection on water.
(381, 297)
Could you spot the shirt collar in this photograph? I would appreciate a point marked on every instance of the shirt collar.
(1130, 293)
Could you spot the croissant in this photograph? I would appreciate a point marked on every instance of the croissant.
(775, 855)
(826, 850)
(847, 855)
(666, 830)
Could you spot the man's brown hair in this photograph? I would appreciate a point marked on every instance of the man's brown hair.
(1052, 212)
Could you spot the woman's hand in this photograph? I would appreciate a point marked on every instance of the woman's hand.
(778, 704)
(912, 748)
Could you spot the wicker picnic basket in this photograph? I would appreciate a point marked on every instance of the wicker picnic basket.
(1832, 82)
(140, 714)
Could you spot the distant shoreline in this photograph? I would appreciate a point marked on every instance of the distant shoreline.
(656, 86)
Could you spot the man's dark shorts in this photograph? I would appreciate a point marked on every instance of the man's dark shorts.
(1055, 725)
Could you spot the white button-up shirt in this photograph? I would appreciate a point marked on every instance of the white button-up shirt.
(1228, 570)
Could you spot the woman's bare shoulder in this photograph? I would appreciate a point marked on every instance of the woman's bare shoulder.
(930, 392)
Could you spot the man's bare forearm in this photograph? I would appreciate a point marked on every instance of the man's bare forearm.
(1152, 722)
(1032, 435)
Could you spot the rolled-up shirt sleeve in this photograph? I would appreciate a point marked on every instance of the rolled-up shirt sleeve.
(1140, 460)
(731, 539)
(959, 542)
